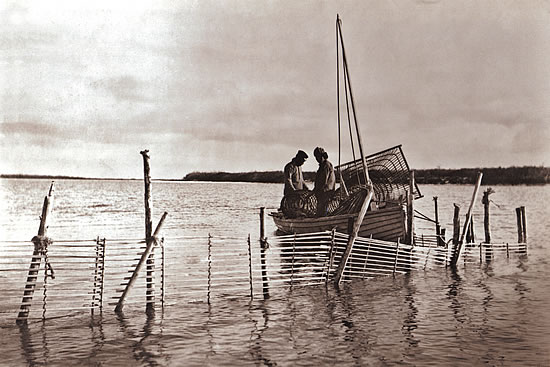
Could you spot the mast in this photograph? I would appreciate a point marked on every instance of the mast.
(348, 81)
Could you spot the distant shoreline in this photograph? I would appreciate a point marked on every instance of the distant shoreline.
(526, 175)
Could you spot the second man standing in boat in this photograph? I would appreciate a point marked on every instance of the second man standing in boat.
(325, 181)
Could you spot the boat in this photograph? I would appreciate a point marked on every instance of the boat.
(376, 191)
(386, 218)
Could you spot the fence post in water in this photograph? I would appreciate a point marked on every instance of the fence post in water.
(470, 235)
(437, 225)
(396, 255)
(485, 202)
(102, 275)
(456, 224)
(39, 241)
(163, 278)
(263, 248)
(250, 267)
(151, 242)
(209, 265)
(520, 229)
(149, 281)
(523, 224)
(331, 252)
(458, 250)
(410, 211)
(96, 274)
(293, 259)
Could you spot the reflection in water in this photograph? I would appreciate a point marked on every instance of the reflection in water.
(26, 344)
(455, 287)
(410, 321)
(45, 348)
(211, 351)
(356, 335)
(256, 336)
(139, 349)
(98, 335)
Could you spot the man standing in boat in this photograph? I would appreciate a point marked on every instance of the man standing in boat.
(294, 179)
(325, 180)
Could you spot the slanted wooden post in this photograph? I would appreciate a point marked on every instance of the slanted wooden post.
(263, 248)
(151, 242)
(149, 280)
(39, 241)
(458, 250)
(357, 225)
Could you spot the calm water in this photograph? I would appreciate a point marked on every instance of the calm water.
(489, 314)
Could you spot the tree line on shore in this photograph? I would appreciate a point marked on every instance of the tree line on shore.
(529, 175)
(525, 175)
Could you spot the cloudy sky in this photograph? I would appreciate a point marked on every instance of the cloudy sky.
(241, 85)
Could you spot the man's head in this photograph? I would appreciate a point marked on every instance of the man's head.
(320, 154)
(300, 158)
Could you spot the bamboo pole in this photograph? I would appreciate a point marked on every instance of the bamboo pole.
(343, 261)
(151, 242)
(458, 251)
(36, 259)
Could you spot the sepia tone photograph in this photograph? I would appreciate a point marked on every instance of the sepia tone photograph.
(274, 183)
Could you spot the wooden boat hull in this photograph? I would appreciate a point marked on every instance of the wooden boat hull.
(384, 224)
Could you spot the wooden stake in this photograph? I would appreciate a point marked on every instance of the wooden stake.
(209, 265)
(150, 244)
(523, 224)
(486, 226)
(410, 211)
(519, 223)
(36, 259)
(456, 224)
(149, 280)
(331, 252)
(250, 267)
(357, 225)
(458, 251)
(437, 225)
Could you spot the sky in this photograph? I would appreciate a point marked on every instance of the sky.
(242, 85)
